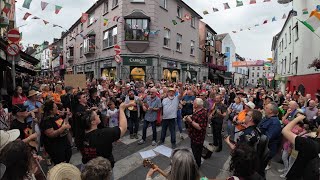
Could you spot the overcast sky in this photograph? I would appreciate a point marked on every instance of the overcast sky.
(254, 43)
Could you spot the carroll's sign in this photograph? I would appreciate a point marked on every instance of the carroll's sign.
(137, 61)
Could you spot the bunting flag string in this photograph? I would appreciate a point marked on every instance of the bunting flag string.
(239, 3)
(7, 8)
(274, 18)
(45, 22)
(105, 22)
(25, 17)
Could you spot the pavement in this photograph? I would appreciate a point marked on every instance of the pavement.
(129, 165)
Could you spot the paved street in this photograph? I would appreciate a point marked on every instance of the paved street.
(129, 162)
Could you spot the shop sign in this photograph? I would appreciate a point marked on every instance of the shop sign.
(171, 64)
(137, 61)
(107, 63)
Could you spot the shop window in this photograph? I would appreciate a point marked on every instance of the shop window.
(179, 42)
(110, 37)
(192, 48)
(109, 73)
(137, 30)
(171, 75)
(179, 11)
(193, 22)
(89, 44)
(163, 3)
(137, 73)
(106, 7)
(166, 39)
(91, 19)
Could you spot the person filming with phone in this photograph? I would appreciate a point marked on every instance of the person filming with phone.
(307, 163)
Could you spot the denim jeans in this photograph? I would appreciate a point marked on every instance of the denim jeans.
(172, 128)
(133, 124)
(179, 120)
(154, 130)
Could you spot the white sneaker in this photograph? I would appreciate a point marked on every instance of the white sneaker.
(209, 125)
(154, 143)
(268, 167)
(141, 142)
(283, 175)
(281, 170)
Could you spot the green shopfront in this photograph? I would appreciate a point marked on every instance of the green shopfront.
(138, 68)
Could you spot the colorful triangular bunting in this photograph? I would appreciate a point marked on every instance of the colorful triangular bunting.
(215, 9)
(205, 12)
(84, 17)
(25, 17)
(105, 22)
(265, 21)
(239, 3)
(45, 22)
(174, 22)
(44, 5)
(57, 9)
(226, 6)
(35, 17)
(274, 19)
(26, 4)
(7, 8)
(284, 16)
(305, 11)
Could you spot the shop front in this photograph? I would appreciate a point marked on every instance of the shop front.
(137, 68)
(89, 71)
(170, 72)
(216, 74)
(190, 73)
(107, 70)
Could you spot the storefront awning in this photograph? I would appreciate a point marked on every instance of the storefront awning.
(4, 63)
(224, 77)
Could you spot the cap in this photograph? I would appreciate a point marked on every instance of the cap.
(8, 136)
(19, 108)
(269, 97)
(250, 105)
(32, 93)
(171, 89)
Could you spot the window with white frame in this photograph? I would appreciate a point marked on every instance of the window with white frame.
(252, 81)
(179, 42)
(106, 7)
(193, 22)
(297, 31)
(258, 74)
(179, 11)
(163, 3)
(192, 48)
(166, 38)
(110, 37)
(89, 44)
(137, 0)
(114, 3)
(91, 19)
(137, 30)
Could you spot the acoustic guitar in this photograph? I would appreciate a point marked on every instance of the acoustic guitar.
(148, 163)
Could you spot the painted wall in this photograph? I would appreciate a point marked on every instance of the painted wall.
(227, 42)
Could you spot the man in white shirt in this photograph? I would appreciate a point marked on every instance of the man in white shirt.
(170, 107)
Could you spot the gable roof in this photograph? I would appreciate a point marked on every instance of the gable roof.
(220, 37)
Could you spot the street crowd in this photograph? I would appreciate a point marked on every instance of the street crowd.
(44, 120)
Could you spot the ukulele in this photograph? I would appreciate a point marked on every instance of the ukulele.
(150, 164)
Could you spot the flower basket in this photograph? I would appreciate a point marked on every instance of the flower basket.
(315, 64)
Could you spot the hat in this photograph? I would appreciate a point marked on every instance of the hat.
(32, 93)
(202, 93)
(171, 89)
(64, 171)
(285, 103)
(250, 105)
(19, 108)
(8, 136)
(59, 82)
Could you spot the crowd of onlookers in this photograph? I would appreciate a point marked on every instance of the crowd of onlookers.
(48, 118)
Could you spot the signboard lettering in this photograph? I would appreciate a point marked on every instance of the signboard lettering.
(137, 61)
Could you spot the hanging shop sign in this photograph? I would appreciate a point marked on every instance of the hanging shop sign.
(137, 61)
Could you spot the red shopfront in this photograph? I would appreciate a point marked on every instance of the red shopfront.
(306, 84)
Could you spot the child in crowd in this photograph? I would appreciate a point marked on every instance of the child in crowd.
(112, 115)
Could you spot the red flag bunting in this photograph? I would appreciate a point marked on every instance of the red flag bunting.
(84, 17)
(25, 17)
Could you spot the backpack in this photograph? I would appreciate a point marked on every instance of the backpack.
(261, 147)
